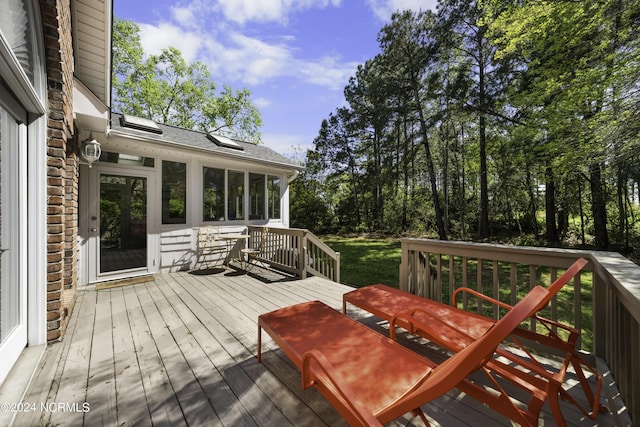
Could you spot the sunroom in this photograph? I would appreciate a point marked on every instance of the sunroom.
(154, 186)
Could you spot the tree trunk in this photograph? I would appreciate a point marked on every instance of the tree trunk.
(550, 207)
(622, 197)
(483, 226)
(356, 204)
(582, 218)
(405, 167)
(442, 233)
(533, 206)
(599, 207)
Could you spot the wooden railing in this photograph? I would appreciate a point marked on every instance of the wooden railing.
(296, 251)
(321, 260)
(604, 301)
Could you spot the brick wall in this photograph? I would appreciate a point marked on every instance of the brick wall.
(62, 167)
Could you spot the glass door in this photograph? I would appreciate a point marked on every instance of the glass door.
(123, 223)
(13, 294)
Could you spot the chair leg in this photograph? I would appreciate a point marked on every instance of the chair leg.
(418, 413)
(246, 264)
(554, 404)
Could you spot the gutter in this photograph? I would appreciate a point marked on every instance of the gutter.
(293, 177)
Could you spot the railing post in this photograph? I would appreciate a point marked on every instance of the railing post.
(404, 266)
(600, 307)
(302, 255)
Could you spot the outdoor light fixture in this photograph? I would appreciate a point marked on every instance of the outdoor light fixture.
(90, 150)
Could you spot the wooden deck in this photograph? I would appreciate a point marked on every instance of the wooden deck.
(181, 351)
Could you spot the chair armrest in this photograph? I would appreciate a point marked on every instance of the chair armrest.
(324, 372)
(409, 317)
(548, 323)
(479, 295)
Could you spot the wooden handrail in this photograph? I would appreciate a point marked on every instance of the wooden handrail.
(434, 269)
(321, 259)
(297, 251)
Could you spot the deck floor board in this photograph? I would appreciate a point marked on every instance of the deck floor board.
(180, 350)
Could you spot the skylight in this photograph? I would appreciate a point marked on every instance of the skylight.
(223, 141)
(140, 123)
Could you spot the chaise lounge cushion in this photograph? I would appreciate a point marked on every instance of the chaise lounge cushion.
(374, 367)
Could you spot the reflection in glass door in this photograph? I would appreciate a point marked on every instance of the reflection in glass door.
(123, 223)
(13, 331)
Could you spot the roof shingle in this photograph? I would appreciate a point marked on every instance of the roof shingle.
(190, 139)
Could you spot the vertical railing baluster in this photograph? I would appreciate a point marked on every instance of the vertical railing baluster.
(464, 281)
(577, 305)
(513, 281)
(479, 286)
(496, 288)
(554, 301)
(532, 284)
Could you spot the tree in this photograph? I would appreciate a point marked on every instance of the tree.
(463, 29)
(371, 98)
(308, 208)
(234, 113)
(167, 89)
(408, 52)
(577, 57)
(336, 145)
(492, 110)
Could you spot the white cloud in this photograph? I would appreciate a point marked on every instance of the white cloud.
(328, 72)
(253, 60)
(193, 14)
(290, 145)
(235, 57)
(261, 102)
(242, 11)
(383, 9)
(185, 16)
(202, 31)
(155, 38)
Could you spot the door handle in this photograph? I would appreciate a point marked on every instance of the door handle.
(3, 251)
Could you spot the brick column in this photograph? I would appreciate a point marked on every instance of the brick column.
(62, 170)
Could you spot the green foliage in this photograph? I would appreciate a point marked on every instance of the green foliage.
(365, 261)
(233, 112)
(308, 209)
(110, 223)
(484, 116)
(167, 89)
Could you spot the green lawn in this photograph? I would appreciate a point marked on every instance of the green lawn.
(367, 261)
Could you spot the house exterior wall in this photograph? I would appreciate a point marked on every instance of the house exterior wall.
(62, 167)
(171, 247)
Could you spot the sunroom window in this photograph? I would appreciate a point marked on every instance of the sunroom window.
(126, 159)
(273, 195)
(174, 192)
(235, 195)
(256, 196)
(213, 196)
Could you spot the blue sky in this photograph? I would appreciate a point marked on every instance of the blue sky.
(296, 56)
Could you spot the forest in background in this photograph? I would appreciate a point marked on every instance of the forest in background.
(488, 120)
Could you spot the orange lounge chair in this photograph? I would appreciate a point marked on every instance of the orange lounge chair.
(454, 329)
(371, 379)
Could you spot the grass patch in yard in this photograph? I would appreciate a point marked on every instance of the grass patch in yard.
(365, 261)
